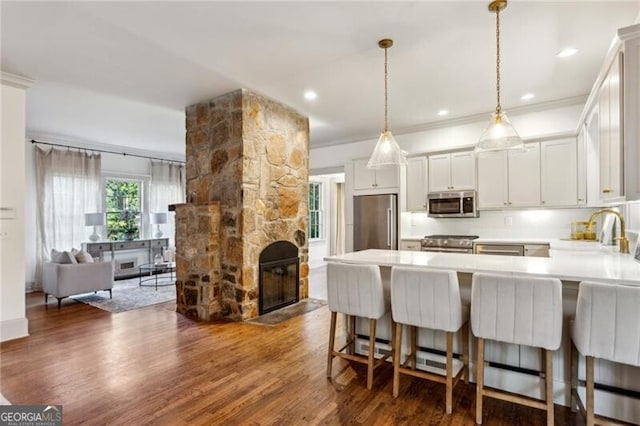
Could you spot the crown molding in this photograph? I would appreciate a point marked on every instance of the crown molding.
(82, 144)
(469, 119)
(631, 31)
(14, 80)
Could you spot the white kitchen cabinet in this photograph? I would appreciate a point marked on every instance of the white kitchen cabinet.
(411, 245)
(493, 190)
(581, 165)
(452, 171)
(609, 106)
(364, 178)
(558, 173)
(416, 184)
(524, 176)
(509, 178)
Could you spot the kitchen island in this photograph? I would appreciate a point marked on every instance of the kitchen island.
(512, 367)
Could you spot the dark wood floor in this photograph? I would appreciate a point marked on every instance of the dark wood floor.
(153, 366)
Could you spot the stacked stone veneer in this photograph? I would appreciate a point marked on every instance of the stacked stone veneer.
(247, 177)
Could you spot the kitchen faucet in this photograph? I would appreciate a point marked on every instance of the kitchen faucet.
(624, 241)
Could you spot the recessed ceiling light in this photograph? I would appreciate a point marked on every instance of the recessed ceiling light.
(569, 51)
(310, 95)
(443, 112)
(527, 96)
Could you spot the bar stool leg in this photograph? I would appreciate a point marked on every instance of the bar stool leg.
(449, 403)
(548, 371)
(479, 380)
(397, 351)
(352, 334)
(372, 350)
(414, 339)
(465, 352)
(590, 396)
(574, 378)
(332, 337)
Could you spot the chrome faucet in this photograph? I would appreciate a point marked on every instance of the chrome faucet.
(624, 241)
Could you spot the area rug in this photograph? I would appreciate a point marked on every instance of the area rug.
(284, 314)
(128, 295)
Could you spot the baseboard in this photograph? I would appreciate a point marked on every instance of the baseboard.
(14, 329)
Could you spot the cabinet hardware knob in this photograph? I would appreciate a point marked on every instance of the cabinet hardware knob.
(543, 202)
(510, 203)
(580, 199)
(606, 191)
(505, 203)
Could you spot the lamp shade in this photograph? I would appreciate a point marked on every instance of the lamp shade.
(499, 135)
(386, 153)
(158, 218)
(94, 219)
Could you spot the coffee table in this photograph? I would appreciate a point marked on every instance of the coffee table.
(153, 270)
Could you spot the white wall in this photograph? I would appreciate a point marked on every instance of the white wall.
(13, 321)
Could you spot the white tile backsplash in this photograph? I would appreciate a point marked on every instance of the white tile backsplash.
(542, 223)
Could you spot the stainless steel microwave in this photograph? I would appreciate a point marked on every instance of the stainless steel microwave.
(452, 204)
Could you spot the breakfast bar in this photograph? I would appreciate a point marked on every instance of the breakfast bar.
(511, 367)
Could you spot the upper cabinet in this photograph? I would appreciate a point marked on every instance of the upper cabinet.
(509, 178)
(416, 184)
(610, 117)
(452, 172)
(544, 174)
(609, 107)
(364, 178)
(559, 173)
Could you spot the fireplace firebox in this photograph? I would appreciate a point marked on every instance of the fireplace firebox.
(278, 284)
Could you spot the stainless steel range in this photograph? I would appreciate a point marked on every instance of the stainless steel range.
(448, 243)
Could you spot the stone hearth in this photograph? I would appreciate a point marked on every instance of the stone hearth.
(247, 163)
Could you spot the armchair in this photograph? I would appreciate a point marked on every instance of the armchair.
(64, 280)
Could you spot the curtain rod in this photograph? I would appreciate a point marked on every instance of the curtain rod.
(107, 152)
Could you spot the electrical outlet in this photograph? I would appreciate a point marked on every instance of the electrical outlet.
(508, 220)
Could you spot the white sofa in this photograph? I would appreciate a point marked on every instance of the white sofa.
(63, 280)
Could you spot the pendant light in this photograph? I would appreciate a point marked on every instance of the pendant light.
(499, 134)
(387, 152)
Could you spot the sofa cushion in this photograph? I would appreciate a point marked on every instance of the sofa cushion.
(62, 257)
(82, 256)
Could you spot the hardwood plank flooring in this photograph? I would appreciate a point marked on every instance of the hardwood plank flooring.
(154, 366)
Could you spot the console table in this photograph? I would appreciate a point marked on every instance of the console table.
(151, 246)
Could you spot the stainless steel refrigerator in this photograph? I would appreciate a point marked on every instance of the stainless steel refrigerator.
(375, 222)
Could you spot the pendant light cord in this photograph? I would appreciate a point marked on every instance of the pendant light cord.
(386, 97)
(498, 107)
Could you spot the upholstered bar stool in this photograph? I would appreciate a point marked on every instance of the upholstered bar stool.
(428, 299)
(606, 326)
(355, 290)
(520, 310)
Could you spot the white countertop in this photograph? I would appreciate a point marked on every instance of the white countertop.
(573, 261)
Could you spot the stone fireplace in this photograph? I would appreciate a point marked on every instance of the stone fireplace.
(247, 182)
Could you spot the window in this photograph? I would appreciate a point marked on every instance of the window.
(315, 211)
(123, 206)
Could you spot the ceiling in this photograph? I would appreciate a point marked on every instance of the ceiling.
(122, 73)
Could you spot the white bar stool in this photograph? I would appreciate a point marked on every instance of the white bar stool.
(520, 310)
(428, 299)
(606, 326)
(355, 290)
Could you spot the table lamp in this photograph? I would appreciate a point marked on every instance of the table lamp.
(158, 219)
(94, 219)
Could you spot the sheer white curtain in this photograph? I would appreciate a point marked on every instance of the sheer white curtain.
(68, 185)
(167, 187)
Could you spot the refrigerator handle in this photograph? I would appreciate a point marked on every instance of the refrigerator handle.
(389, 222)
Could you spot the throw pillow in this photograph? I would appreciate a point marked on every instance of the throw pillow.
(62, 257)
(84, 257)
